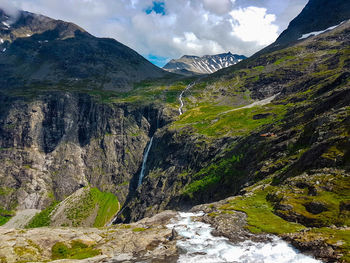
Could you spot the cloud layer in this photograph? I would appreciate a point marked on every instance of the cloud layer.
(193, 27)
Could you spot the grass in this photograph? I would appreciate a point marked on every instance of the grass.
(139, 229)
(106, 203)
(332, 237)
(43, 218)
(332, 191)
(218, 121)
(5, 216)
(260, 216)
(75, 250)
(281, 60)
(108, 207)
(214, 174)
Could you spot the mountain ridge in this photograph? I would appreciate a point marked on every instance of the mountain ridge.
(207, 64)
(37, 49)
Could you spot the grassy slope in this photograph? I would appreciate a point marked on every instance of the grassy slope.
(310, 74)
(107, 203)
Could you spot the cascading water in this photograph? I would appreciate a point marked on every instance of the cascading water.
(180, 98)
(199, 245)
(144, 162)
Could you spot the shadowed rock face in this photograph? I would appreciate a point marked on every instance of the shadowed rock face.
(54, 145)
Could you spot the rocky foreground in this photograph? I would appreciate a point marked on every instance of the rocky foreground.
(148, 240)
(157, 240)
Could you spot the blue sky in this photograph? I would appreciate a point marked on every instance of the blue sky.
(166, 29)
(157, 7)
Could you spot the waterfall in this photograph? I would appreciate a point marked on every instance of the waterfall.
(144, 162)
(181, 95)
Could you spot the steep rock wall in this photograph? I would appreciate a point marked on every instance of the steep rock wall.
(58, 143)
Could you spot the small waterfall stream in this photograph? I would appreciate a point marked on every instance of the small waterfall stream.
(144, 162)
(181, 95)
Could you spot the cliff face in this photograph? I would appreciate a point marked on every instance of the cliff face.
(52, 146)
(173, 159)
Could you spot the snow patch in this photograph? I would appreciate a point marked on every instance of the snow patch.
(6, 24)
(316, 33)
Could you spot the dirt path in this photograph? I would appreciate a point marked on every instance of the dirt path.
(256, 103)
(21, 219)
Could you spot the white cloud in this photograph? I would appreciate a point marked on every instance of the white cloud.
(192, 27)
(254, 24)
(9, 8)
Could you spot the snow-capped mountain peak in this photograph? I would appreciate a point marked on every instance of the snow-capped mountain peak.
(202, 65)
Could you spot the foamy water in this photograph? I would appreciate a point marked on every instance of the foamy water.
(200, 246)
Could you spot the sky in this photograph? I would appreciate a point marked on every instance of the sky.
(165, 29)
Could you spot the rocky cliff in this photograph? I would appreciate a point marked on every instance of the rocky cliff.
(58, 143)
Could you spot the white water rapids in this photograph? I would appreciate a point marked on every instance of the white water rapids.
(144, 162)
(200, 246)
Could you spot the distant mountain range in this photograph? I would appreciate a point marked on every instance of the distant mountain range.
(191, 65)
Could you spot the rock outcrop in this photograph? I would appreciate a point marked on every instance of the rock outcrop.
(148, 240)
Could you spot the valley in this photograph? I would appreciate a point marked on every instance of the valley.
(111, 159)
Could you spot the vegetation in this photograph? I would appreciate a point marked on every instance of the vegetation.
(107, 206)
(213, 174)
(5, 216)
(138, 229)
(223, 121)
(317, 201)
(260, 214)
(75, 250)
(43, 218)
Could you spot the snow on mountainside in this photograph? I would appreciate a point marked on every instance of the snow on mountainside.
(317, 17)
(189, 65)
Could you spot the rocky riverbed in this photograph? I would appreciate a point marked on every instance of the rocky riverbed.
(170, 236)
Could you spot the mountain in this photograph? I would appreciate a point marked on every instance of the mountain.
(189, 65)
(261, 148)
(317, 15)
(37, 49)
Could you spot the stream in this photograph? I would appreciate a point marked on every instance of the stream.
(181, 95)
(200, 246)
